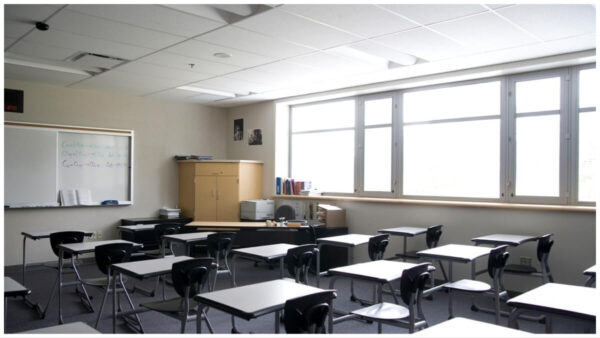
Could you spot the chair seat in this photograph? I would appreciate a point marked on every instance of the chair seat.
(469, 285)
(170, 305)
(383, 311)
(517, 268)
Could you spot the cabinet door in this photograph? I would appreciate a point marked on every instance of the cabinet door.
(205, 208)
(228, 203)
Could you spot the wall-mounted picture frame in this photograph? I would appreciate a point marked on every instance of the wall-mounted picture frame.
(255, 139)
(238, 129)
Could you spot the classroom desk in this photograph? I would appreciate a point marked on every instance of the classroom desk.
(405, 232)
(12, 288)
(381, 272)
(35, 236)
(552, 299)
(591, 272)
(463, 327)
(70, 328)
(77, 249)
(345, 241)
(254, 300)
(504, 239)
(136, 227)
(187, 239)
(266, 253)
(141, 270)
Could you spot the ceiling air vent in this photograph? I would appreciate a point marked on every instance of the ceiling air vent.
(96, 63)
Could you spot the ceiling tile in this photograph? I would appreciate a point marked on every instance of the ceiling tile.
(496, 6)
(238, 38)
(385, 52)
(125, 82)
(485, 32)
(181, 62)
(153, 17)
(83, 43)
(363, 20)
(205, 11)
(42, 51)
(8, 42)
(232, 85)
(206, 51)
(19, 19)
(173, 94)
(23, 73)
(292, 28)
(251, 75)
(551, 22)
(428, 14)
(76, 23)
(423, 44)
(332, 64)
(143, 68)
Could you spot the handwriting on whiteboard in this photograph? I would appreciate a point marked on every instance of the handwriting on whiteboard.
(77, 154)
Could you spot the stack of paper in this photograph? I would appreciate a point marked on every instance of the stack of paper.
(169, 212)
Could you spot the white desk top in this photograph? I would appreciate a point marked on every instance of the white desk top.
(14, 288)
(46, 234)
(254, 300)
(137, 227)
(349, 240)
(76, 327)
(189, 237)
(463, 327)
(572, 300)
(378, 271)
(403, 231)
(591, 271)
(86, 247)
(148, 268)
(266, 252)
(455, 252)
(501, 239)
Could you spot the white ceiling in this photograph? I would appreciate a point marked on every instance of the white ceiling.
(278, 51)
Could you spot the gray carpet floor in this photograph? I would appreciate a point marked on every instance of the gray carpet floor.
(20, 317)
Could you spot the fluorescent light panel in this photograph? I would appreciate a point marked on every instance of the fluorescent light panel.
(207, 91)
(46, 67)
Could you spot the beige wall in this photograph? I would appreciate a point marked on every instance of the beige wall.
(256, 116)
(162, 129)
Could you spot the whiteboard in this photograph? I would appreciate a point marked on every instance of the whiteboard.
(42, 160)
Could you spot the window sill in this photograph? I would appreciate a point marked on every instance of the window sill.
(492, 205)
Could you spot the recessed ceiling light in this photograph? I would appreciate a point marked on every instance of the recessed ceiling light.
(207, 91)
(222, 55)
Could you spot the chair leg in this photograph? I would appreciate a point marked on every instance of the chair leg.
(208, 324)
(137, 317)
(85, 293)
(102, 306)
(443, 270)
(52, 294)
(450, 314)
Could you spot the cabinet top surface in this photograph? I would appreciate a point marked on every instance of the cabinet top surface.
(219, 161)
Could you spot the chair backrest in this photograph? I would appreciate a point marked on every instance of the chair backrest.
(413, 281)
(65, 237)
(497, 260)
(165, 229)
(544, 246)
(312, 233)
(113, 253)
(219, 244)
(377, 245)
(298, 260)
(285, 211)
(191, 275)
(432, 237)
(307, 314)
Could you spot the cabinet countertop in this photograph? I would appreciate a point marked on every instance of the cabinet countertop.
(219, 161)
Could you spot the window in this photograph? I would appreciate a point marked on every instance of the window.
(322, 145)
(588, 140)
(452, 141)
(522, 138)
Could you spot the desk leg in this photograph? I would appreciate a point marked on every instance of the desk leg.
(60, 268)
(379, 301)
(318, 268)
(24, 258)
(404, 250)
(114, 316)
(450, 314)
(277, 317)
(234, 268)
(281, 267)
(350, 262)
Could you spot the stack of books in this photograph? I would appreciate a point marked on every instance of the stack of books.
(169, 213)
(289, 186)
(193, 157)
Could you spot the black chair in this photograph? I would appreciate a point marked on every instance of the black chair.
(285, 211)
(496, 263)
(307, 314)
(219, 245)
(411, 317)
(189, 278)
(543, 252)
(68, 237)
(105, 256)
(298, 261)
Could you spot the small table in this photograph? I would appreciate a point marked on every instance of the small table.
(263, 252)
(404, 232)
(381, 272)
(70, 328)
(12, 288)
(504, 239)
(591, 272)
(553, 299)
(463, 327)
(141, 270)
(187, 239)
(77, 249)
(255, 300)
(35, 236)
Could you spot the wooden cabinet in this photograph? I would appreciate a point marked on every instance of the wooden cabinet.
(212, 191)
